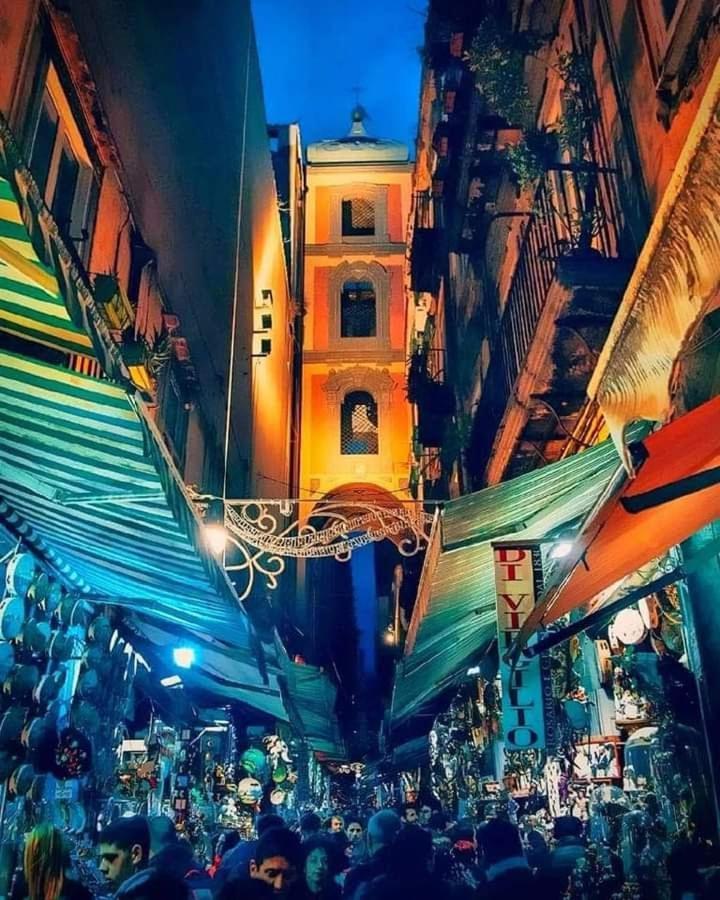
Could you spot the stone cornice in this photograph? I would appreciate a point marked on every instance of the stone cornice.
(364, 249)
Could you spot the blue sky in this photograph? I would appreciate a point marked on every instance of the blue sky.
(314, 52)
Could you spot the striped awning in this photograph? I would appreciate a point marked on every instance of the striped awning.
(86, 480)
(44, 296)
(457, 622)
(30, 303)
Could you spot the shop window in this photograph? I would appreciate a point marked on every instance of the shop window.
(359, 424)
(358, 218)
(61, 166)
(358, 310)
(174, 414)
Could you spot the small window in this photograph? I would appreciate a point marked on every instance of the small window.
(359, 424)
(358, 218)
(174, 414)
(61, 166)
(358, 310)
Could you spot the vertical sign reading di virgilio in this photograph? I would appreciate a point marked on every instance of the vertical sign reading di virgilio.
(522, 682)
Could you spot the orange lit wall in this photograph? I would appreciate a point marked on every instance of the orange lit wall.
(323, 467)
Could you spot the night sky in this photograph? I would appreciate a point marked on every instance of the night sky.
(314, 52)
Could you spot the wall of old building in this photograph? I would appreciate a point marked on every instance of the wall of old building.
(323, 467)
(178, 142)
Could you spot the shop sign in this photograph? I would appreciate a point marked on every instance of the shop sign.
(523, 701)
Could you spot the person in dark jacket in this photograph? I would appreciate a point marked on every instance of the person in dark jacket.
(569, 850)
(382, 830)
(409, 870)
(236, 862)
(174, 858)
(506, 870)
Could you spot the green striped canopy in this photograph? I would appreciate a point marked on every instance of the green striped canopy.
(45, 296)
(27, 309)
(460, 621)
(85, 478)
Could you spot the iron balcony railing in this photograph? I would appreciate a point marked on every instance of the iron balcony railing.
(574, 212)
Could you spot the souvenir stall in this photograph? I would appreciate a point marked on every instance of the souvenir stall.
(58, 658)
(463, 750)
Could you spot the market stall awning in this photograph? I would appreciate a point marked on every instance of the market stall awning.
(85, 477)
(226, 672)
(457, 621)
(675, 282)
(675, 493)
(310, 698)
(43, 294)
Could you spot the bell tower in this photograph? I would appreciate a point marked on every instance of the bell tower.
(356, 422)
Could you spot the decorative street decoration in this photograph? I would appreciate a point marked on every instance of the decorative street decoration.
(267, 532)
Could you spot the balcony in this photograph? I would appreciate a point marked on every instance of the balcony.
(431, 394)
(566, 285)
(424, 273)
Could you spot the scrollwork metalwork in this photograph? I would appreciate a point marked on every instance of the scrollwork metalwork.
(265, 533)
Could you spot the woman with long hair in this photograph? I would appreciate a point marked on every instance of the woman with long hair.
(45, 862)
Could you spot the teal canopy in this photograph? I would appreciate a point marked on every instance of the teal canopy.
(454, 621)
(86, 480)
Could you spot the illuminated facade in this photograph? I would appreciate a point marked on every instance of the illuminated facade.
(355, 419)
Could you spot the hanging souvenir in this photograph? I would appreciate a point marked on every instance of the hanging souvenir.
(277, 797)
(11, 725)
(21, 780)
(100, 631)
(279, 773)
(7, 659)
(12, 617)
(39, 588)
(54, 597)
(21, 682)
(36, 635)
(73, 755)
(19, 574)
(249, 791)
(253, 761)
(48, 687)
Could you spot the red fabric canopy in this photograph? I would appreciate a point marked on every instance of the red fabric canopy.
(674, 494)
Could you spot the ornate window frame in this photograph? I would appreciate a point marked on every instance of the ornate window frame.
(359, 271)
(376, 382)
(377, 194)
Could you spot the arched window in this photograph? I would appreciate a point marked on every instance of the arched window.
(358, 313)
(358, 424)
(358, 217)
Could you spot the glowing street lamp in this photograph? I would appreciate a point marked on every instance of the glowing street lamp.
(214, 532)
(183, 657)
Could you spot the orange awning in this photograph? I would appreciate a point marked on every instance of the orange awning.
(675, 493)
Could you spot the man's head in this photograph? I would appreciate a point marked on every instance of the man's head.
(382, 829)
(425, 812)
(162, 834)
(409, 812)
(354, 830)
(266, 822)
(277, 859)
(335, 824)
(498, 840)
(310, 824)
(124, 849)
(568, 827)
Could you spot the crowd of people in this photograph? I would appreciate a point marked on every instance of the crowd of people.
(414, 852)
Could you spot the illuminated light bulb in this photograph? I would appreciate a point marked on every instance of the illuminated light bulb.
(215, 537)
(561, 550)
(183, 657)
